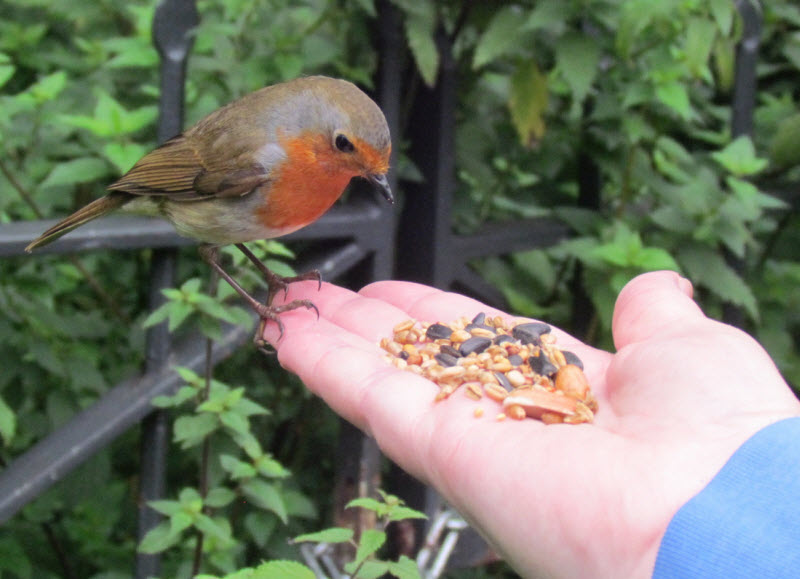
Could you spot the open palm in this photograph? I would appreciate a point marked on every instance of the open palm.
(681, 394)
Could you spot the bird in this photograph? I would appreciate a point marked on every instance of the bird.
(260, 167)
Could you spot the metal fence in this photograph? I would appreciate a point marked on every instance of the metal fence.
(363, 232)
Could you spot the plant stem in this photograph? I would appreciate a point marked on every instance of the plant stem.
(206, 450)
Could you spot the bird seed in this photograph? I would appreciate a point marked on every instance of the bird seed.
(517, 365)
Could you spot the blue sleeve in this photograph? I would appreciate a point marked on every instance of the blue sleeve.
(746, 522)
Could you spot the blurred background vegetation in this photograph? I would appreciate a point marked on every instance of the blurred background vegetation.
(639, 91)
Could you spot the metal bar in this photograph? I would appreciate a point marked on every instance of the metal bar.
(360, 218)
(742, 111)
(172, 24)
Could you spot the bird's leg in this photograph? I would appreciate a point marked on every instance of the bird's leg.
(276, 282)
(210, 255)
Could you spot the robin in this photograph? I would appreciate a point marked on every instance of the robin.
(260, 167)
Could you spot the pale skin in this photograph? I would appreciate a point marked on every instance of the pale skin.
(679, 396)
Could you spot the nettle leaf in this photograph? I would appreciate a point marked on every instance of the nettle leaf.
(723, 12)
(501, 35)
(700, 36)
(785, 146)
(237, 469)
(219, 497)
(528, 101)
(48, 87)
(420, 27)
(371, 569)
(370, 541)
(675, 96)
(739, 157)
(191, 430)
(82, 170)
(279, 570)
(8, 422)
(404, 568)
(707, 267)
(159, 538)
(124, 155)
(577, 58)
(266, 496)
(332, 535)
(7, 68)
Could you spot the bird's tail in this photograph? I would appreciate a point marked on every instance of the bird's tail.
(107, 204)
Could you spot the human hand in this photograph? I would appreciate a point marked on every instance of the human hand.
(681, 394)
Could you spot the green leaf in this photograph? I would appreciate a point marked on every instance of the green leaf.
(165, 507)
(82, 170)
(577, 58)
(420, 28)
(219, 497)
(500, 37)
(271, 468)
(785, 146)
(400, 513)
(7, 68)
(213, 528)
(368, 503)
(8, 422)
(708, 268)
(371, 569)
(675, 95)
(723, 12)
(191, 430)
(281, 570)
(370, 541)
(739, 157)
(235, 421)
(700, 35)
(404, 568)
(238, 469)
(48, 87)
(528, 101)
(266, 496)
(124, 155)
(159, 538)
(332, 535)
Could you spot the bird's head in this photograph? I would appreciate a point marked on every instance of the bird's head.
(349, 131)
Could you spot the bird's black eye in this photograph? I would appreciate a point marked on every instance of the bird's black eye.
(343, 144)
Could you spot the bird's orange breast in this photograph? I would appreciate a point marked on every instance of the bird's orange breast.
(305, 185)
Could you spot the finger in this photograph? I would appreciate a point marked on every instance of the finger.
(651, 304)
(369, 318)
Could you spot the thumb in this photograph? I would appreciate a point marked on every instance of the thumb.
(651, 303)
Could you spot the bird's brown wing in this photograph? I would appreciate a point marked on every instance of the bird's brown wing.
(178, 171)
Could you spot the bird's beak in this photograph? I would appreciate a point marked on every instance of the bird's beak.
(382, 185)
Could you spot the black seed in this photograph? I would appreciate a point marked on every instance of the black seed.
(572, 359)
(515, 359)
(438, 332)
(446, 360)
(449, 350)
(541, 365)
(404, 355)
(503, 381)
(529, 333)
(503, 338)
(474, 345)
(479, 319)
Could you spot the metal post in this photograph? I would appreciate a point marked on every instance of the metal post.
(172, 22)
